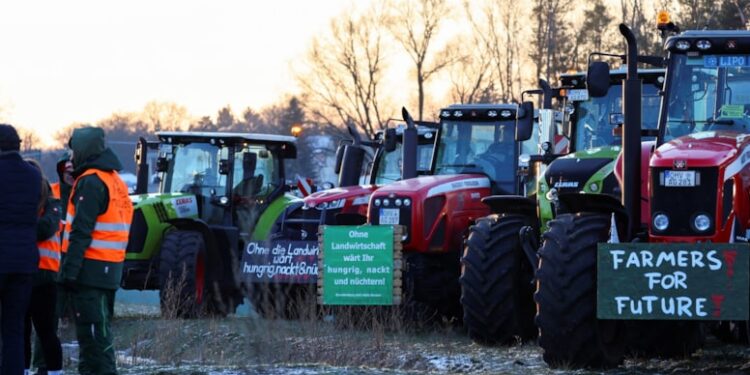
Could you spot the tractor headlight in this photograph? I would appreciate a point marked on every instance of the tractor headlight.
(701, 222)
(397, 202)
(407, 202)
(377, 202)
(703, 44)
(682, 45)
(661, 222)
(552, 195)
(386, 202)
(332, 205)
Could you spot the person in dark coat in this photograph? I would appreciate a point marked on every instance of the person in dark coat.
(20, 195)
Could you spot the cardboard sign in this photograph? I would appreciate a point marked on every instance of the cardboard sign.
(357, 265)
(280, 262)
(701, 281)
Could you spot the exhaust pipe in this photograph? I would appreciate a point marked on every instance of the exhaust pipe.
(631, 139)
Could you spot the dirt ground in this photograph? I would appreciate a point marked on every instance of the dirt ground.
(147, 344)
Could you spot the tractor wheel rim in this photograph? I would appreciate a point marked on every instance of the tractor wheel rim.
(200, 278)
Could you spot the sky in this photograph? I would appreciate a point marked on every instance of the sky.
(80, 61)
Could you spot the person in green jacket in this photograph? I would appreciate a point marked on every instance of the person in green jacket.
(89, 277)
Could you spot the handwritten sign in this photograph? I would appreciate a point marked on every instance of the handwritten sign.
(280, 262)
(358, 265)
(702, 281)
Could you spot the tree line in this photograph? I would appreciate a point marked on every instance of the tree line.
(373, 58)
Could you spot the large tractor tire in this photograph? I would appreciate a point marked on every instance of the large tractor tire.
(497, 294)
(665, 338)
(570, 334)
(182, 275)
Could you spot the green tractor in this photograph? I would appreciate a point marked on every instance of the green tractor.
(217, 192)
(500, 256)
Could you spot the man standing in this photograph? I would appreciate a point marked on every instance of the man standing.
(20, 195)
(96, 234)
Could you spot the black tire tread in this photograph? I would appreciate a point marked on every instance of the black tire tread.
(570, 334)
(496, 291)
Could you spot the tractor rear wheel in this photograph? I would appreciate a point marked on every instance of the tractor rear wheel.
(570, 334)
(182, 275)
(496, 289)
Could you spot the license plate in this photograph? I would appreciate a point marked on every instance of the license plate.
(578, 95)
(679, 178)
(389, 216)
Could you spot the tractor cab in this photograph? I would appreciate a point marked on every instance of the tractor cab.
(481, 139)
(596, 121)
(388, 161)
(708, 88)
(231, 175)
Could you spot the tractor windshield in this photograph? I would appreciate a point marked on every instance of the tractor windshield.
(707, 93)
(596, 118)
(479, 147)
(389, 167)
(193, 167)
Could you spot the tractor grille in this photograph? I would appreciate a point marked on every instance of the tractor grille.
(681, 204)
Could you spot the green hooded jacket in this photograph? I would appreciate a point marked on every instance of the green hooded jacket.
(91, 199)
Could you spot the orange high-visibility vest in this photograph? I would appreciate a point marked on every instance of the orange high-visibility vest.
(110, 235)
(49, 249)
(55, 189)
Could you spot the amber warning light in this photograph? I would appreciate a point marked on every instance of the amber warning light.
(662, 19)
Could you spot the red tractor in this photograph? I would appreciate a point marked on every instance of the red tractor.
(684, 213)
(476, 155)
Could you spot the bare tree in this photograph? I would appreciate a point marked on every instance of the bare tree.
(471, 77)
(496, 29)
(548, 47)
(30, 140)
(165, 116)
(415, 24)
(344, 71)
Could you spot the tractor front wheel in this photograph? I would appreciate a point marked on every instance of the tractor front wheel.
(182, 275)
(570, 333)
(496, 289)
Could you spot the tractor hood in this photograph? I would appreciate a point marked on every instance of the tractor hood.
(434, 185)
(358, 194)
(704, 149)
(587, 171)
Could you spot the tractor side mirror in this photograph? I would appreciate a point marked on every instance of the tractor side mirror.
(162, 164)
(224, 166)
(524, 121)
(597, 79)
(390, 140)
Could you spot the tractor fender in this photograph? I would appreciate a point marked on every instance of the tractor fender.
(511, 204)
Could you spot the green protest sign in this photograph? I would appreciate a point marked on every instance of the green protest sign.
(357, 265)
(702, 281)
